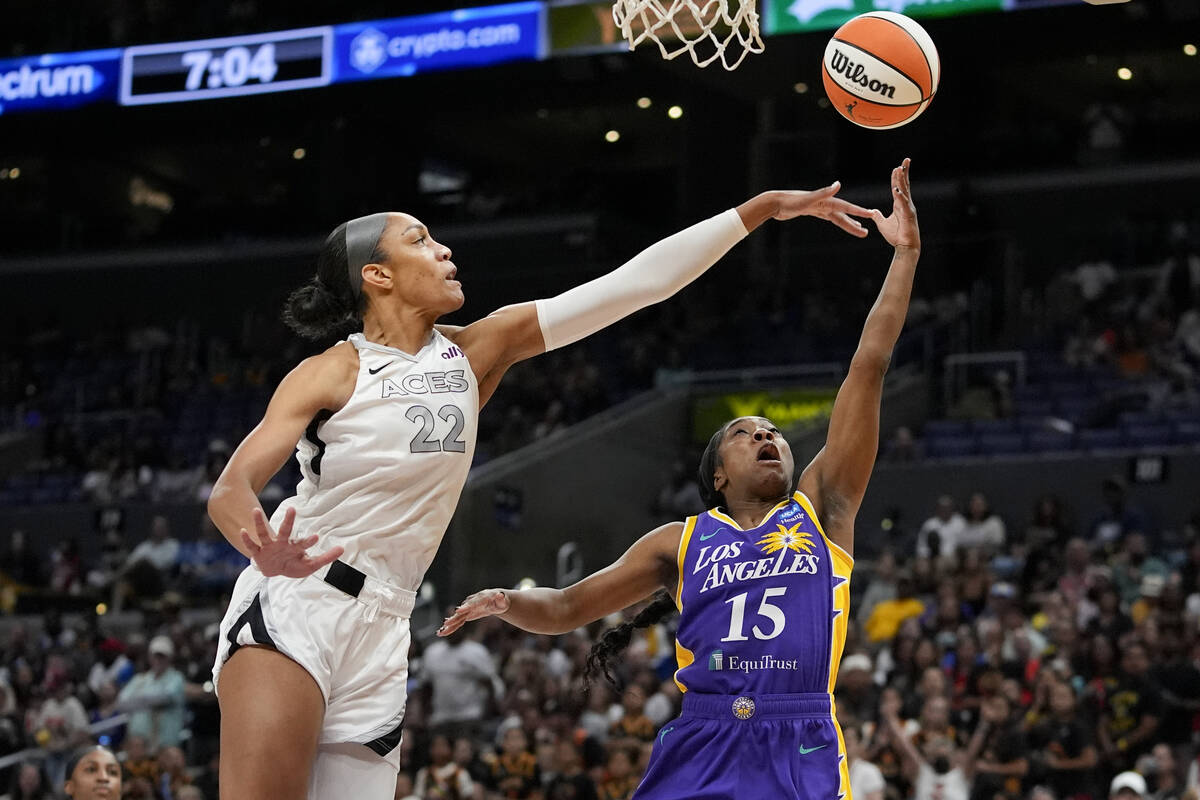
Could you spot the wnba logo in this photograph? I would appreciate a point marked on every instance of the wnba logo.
(716, 661)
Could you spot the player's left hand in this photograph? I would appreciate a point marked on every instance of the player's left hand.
(900, 228)
(823, 204)
(276, 554)
(487, 603)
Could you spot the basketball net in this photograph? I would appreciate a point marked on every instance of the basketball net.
(704, 29)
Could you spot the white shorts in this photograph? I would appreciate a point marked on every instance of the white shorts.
(355, 648)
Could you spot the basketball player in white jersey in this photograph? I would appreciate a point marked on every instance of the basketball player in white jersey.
(313, 651)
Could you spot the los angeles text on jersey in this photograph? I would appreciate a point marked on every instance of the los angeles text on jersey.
(454, 380)
(721, 572)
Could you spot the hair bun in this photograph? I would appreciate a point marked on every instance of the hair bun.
(314, 312)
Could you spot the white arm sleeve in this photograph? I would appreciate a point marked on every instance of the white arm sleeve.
(653, 275)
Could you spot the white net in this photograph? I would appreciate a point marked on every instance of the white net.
(705, 29)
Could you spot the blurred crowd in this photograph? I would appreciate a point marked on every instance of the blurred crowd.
(991, 656)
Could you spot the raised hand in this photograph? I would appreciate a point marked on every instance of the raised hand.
(822, 204)
(900, 228)
(277, 554)
(486, 603)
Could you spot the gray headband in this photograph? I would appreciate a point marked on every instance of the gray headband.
(362, 237)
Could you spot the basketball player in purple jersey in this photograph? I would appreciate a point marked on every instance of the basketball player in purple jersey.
(761, 581)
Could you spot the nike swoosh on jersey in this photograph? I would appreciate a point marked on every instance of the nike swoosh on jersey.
(704, 537)
(664, 733)
(377, 369)
(806, 750)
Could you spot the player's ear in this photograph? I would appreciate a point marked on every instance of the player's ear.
(378, 275)
(720, 479)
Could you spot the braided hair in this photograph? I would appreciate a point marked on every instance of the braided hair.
(614, 640)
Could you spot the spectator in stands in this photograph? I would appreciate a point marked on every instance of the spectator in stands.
(940, 534)
(857, 694)
(1130, 711)
(888, 616)
(28, 783)
(1131, 564)
(619, 778)
(1160, 765)
(463, 678)
(172, 772)
(866, 781)
(570, 781)
(60, 725)
(442, 777)
(19, 563)
(1002, 765)
(1128, 785)
(111, 666)
(515, 772)
(902, 447)
(66, 570)
(209, 564)
(155, 698)
(940, 770)
(105, 710)
(405, 787)
(1117, 517)
(138, 762)
(982, 529)
(633, 727)
(881, 587)
(467, 757)
(149, 565)
(1062, 746)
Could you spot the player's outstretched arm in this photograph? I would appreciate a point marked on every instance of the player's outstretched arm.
(836, 480)
(647, 566)
(321, 382)
(517, 332)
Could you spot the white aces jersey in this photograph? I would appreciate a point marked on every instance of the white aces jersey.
(382, 476)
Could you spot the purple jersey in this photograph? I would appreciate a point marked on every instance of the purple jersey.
(762, 611)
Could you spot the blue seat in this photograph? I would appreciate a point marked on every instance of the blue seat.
(1035, 408)
(1100, 438)
(1187, 432)
(982, 426)
(946, 427)
(1149, 435)
(999, 443)
(950, 446)
(1069, 388)
(1027, 423)
(1049, 441)
(1130, 418)
(1074, 408)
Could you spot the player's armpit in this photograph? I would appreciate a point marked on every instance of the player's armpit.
(498, 341)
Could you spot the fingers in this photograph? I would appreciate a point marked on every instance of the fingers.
(314, 563)
(251, 545)
(289, 517)
(265, 534)
(846, 207)
(848, 224)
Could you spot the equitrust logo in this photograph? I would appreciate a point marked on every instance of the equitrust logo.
(719, 661)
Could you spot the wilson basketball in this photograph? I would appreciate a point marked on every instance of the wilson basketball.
(880, 70)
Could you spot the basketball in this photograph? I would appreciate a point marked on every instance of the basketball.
(880, 70)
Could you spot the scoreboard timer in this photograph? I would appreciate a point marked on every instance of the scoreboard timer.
(227, 67)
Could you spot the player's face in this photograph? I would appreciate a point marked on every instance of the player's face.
(755, 459)
(421, 266)
(96, 777)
